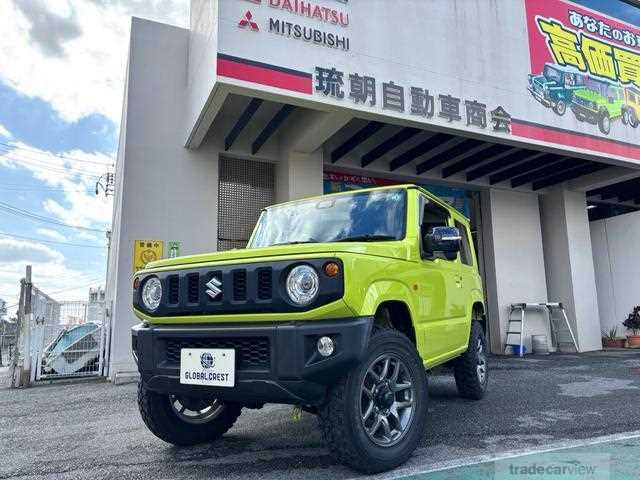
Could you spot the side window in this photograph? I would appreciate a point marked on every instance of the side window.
(465, 251)
(431, 216)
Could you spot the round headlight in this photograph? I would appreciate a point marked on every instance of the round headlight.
(303, 285)
(152, 293)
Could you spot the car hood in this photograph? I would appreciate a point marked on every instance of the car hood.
(391, 249)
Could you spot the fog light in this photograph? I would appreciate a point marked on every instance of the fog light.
(325, 346)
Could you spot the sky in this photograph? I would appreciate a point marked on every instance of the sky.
(62, 68)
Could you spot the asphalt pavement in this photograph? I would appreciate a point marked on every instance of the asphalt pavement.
(92, 430)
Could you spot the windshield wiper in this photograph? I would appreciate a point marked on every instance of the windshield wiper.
(296, 242)
(367, 238)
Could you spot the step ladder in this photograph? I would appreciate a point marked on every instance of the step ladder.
(515, 326)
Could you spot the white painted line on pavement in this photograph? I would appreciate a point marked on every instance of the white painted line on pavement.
(491, 457)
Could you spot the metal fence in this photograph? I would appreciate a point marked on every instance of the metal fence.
(67, 338)
(57, 339)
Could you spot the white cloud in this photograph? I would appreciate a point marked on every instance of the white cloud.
(4, 132)
(21, 251)
(49, 269)
(67, 172)
(72, 53)
(52, 234)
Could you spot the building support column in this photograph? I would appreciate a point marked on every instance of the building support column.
(514, 264)
(568, 262)
(299, 175)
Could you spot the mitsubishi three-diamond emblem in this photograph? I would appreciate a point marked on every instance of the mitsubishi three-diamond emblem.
(213, 288)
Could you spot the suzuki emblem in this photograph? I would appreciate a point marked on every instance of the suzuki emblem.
(213, 288)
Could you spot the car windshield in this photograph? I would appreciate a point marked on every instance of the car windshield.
(551, 73)
(360, 216)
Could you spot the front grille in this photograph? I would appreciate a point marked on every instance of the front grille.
(235, 289)
(251, 352)
(174, 289)
(239, 285)
(192, 288)
(582, 101)
(265, 284)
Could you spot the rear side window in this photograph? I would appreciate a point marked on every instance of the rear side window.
(465, 251)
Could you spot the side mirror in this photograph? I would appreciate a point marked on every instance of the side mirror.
(443, 240)
(610, 99)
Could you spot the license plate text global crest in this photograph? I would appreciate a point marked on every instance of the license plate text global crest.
(207, 366)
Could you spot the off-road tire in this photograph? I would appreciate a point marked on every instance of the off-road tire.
(340, 416)
(466, 366)
(162, 421)
(560, 108)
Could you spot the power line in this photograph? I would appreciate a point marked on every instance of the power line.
(33, 216)
(43, 165)
(59, 155)
(48, 156)
(44, 189)
(50, 241)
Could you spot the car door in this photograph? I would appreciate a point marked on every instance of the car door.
(469, 276)
(440, 294)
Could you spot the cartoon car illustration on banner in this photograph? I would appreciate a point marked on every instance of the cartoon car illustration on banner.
(598, 102)
(555, 86)
(631, 108)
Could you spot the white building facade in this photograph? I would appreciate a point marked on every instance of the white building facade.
(263, 101)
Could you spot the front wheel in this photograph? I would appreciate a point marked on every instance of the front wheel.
(375, 416)
(560, 107)
(185, 421)
(471, 369)
(604, 123)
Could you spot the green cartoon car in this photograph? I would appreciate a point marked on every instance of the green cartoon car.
(598, 102)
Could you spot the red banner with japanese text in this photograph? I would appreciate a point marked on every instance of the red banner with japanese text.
(585, 70)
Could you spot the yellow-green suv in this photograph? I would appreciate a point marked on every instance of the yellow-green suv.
(339, 304)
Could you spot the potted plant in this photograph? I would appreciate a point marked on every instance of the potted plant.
(633, 323)
(610, 339)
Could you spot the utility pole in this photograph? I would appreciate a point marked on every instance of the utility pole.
(21, 374)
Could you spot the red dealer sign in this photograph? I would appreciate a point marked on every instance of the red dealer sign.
(586, 63)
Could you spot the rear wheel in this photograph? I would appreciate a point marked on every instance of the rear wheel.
(184, 420)
(375, 415)
(471, 369)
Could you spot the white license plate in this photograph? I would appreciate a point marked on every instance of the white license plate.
(214, 367)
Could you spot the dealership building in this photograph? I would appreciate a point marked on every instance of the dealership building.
(522, 114)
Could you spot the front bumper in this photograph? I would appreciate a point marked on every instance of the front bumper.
(275, 363)
(540, 97)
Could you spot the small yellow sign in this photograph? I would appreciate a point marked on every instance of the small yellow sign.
(145, 251)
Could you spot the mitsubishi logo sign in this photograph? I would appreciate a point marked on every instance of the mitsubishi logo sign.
(213, 288)
(247, 21)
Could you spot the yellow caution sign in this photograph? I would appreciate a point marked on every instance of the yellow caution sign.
(145, 251)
